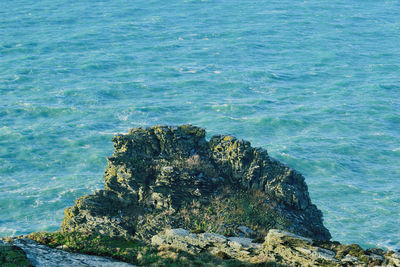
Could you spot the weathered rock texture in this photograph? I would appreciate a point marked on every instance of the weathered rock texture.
(172, 177)
(240, 248)
(279, 246)
(294, 250)
(44, 256)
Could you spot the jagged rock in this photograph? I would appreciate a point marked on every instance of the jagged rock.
(163, 176)
(233, 247)
(393, 258)
(294, 250)
(43, 256)
(280, 247)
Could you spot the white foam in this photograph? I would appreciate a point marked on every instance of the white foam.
(6, 231)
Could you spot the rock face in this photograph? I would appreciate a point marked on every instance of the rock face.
(173, 177)
(43, 256)
(279, 246)
(240, 248)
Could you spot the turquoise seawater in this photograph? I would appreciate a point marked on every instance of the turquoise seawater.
(316, 83)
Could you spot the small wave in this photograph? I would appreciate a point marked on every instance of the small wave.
(111, 133)
(388, 245)
(37, 203)
(123, 117)
(238, 119)
(5, 231)
(352, 186)
(187, 71)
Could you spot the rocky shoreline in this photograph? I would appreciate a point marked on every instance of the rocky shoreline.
(172, 198)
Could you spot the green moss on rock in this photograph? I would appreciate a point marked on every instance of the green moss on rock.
(12, 256)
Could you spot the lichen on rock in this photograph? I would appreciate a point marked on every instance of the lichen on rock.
(163, 176)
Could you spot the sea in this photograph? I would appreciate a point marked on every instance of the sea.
(316, 83)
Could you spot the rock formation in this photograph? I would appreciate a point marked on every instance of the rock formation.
(172, 198)
(172, 177)
(279, 246)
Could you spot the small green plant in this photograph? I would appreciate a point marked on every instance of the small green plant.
(223, 214)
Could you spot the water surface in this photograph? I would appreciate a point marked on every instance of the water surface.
(314, 82)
